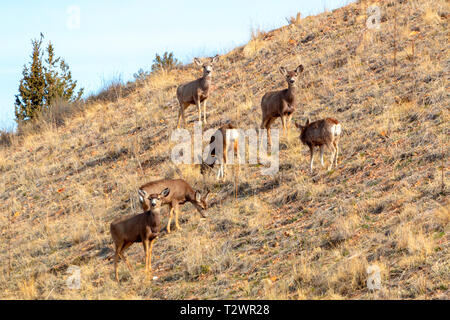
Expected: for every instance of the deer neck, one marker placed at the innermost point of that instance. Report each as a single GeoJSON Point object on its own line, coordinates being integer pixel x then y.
{"type": "Point", "coordinates": [290, 93]}
{"type": "Point", "coordinates": [205, 82]}
{"type": "Point", "coordinates": [152, 214]}
{"type": "Point", "coordinates": [153, 219]}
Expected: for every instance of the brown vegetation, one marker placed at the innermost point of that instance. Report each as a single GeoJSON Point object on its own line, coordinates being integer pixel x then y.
{"type": "Point", "coordinates": [291, 236]}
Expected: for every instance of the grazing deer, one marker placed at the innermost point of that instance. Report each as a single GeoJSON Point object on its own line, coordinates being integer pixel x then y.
{"type": "Point", "coordinates": [280, 104]}
{"type": "Point", "coordinates": [229, 140]}
{"type": "Point", "coordinates": [143, 228]}
{"type": "Point", "coordinates": [180, 193]}
{"type": "Point", "coordinates": [197, 91]}
{"type": "Point", "coordinates": [325, 132]}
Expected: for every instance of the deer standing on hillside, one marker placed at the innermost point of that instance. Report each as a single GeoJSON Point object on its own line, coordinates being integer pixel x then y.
{"type": "Point", "coordinates": [196, 92]}
{"type": "Point", "coordinates": [280, 104]}
{"type": "Point", "coordinates": [180, 193]}
{"type": "Point", "coordinates": [143, 228]}
{"type": "Point", "coordinates": [230, 136]}
{"type": "Point", "coordinates": [325, 132]}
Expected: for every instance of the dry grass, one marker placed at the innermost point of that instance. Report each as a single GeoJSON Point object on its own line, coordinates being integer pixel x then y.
{"type": "Point", "coordinates": [292, 236]}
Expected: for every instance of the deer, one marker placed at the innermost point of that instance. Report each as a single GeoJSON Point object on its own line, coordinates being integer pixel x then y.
{"type": "Point", "coordinates": [230, 136]}
{"type": "Point", "coordinates": [181, 193]}
{"type": "Point", "coordinates": [196, 92]}
{"type": "Point", "coordinates": [280, 104]}
{"type": "Point", "coordinates": [143, 228]}
{"type": "Point", "coordinates": [321, 133]}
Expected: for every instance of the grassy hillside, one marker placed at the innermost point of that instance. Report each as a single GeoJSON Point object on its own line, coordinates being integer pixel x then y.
{"type": "Point", "coordinates": [292, 236]}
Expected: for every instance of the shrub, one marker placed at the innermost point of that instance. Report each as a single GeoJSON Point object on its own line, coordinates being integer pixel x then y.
{"type": "Point", "coordinates": [44, 81]}
{"type": "Point", "coordinates": [166, 62]}
{"type": "Point", "coordinates": [5, 139]}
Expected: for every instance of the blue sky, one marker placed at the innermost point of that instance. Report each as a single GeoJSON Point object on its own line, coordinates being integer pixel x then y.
{"type": "Point", "coordinates": [116, 38]}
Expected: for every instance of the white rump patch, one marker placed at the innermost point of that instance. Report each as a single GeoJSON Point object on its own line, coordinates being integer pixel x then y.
{"type": "Point", "coordinates": [234, 134]}
{"type": "Point", "coordinates": [336, 130]}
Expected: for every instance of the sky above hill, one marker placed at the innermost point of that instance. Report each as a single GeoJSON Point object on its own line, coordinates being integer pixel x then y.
{"type": "Point", "coordinates": [106, 39]}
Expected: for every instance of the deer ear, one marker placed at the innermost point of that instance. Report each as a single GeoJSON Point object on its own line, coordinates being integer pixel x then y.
{"type": "Point", "coordinates": [283, 71]}
{"type": "Point", "coordinates": [307, 122]}
{"type": "Point", "coordinates": [197, 61]}
{"type": "Point", "coordinates": [215, 59]}
{"type": "Point", "coordinates": [198, 196]}
{"type": "Point", "coordinates": [297, 125]}
{"type": "Point", "coordinates": [299, 69]}
{"type": "Point", "coordinates": [166, 192]}
{"type": "Point", "coordinates": [142, 195]}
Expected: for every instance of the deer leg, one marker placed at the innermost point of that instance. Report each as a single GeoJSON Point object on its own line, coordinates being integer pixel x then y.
{"type": "Point", "coordinates": [333, 153]}
{"type": "Point", "coordinates": [170, 219]}
{"type": "Point", "coordinates": [124, 257]}
{"type": "Point", "coordinates": [116, 260]}
{"type": "Point", "coordinates": [219, 172]}
{"type": "Point", "coordinates": [289, 121]}
{"type": "Point", "coordinates": [269, 137]}
{"type": "Point", "coordinates": [337, 154]}
{"type": "Point", "coordinates": [289, 124]}
{"type": "Point", "coordinates": [263, 123]}
{"type": "Point", "coordinates": [263, 126]}
{"type": "Point", "coordinates": [311, 151]}
{"type": "Point", "coordinates": [150, 256]}
{"type": "Point", "coordinates": [204, 111]}
{"type": "Point", "coordinates": [145, 243]}
{"type": "Point", "coordinates": [180, 115]}
{"type": "Point", "coordinates": [184, 114]}
{"type": "Point", "coordinates": [198, 103]}
{"type": "Point", "coordinates": [238, 160]}
{"type": "Point", "coordinates": [225, 161]}
{"type": "Point", "coordinates": [322, 149]}
{"type": "Point", "coordinates": [283, 122]}
{"type": "Point", "coordinates": [177, 210]}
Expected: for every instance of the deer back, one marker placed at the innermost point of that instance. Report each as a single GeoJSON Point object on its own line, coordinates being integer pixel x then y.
{"type": "Point", "coordinates": [320, 132]}
{"type": "Point", "coordinates": [180, 191]}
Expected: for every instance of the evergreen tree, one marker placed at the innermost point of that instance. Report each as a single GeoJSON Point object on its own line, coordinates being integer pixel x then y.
{"type": "Point", "coordinates": [166, 62]}
{"type": "Point", "coordinates": [30, 100]}
{"type": "Point", "coordinates": [43, 82]}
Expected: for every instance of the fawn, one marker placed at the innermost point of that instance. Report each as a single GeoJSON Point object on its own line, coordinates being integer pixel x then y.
{"type": "Point", "coordinates": [196, 92]}
{"type": "Point", "coordinates": [180, 193]}
{"type": "Point", "coordinates": [325, 132]}
{"type": "Point", "coordinates": [280, 104]}
{"type": "Point", "coordinates": [230, 137]}
{"type": "Point", "coordinates": [143, 228]}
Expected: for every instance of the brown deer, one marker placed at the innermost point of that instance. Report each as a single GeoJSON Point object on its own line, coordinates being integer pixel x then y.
{"type": "Point", "coordinates": [143, 228]}
{"type": "Point", "coordinates": [280, 104]}
{"type": "Point", "coordinates": [196, 92]}
{"type": "Point", "coordinates": [180, 193]}
{"type": "Point", "coordinates": [229, 140]}
{"type": "Point", "coordinates": [325, 132]}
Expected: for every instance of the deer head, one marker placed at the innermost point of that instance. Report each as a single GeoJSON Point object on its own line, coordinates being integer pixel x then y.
{"type": "Point", "coordinates": [201, 202]}
{"type": "Point", "coordinates": [302, 128]}
{"type": "Point", "coordinates": [291, 76]}
{"type": "Point", "coordinates": [207, 65]}
{"type": "Point", "coordinates": [154, 200]}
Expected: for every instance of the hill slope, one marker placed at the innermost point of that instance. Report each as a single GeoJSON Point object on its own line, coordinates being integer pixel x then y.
{"type": "Point", "coordinates": [292, 236]}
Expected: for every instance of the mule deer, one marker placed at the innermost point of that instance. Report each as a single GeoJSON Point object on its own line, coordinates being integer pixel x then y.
{"type": "Point", "coordinates": [180, 193]}
{"type": "Point", "coordinates": [143, 228]}
{"type": "Point", "coordinates": [196, 92]}
{"type": "Point", "coordinates": [280, 104]}
{"type": "Point", "coordinates": [230, 136]}
{"type": "Point", "coordinates": [325, 132]}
